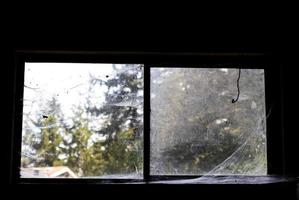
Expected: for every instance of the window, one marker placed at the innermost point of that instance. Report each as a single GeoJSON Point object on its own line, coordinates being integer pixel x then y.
{"type": "Point", "coordinates": [104, 117]}
{"type": "Point", "coordinates": [197, 130]}
{"type": "Point", "coordinates": [82, 120]}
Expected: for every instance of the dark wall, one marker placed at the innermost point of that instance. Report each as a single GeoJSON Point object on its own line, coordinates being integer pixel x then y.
{"type": "Point", "coordinates": [290, 110]}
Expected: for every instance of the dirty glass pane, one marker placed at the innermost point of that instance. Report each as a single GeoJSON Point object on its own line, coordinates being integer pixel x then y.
{"type": "Point", "coordinates": [82, 120]}
{"type": "Point", "coordinates": [197, 130]}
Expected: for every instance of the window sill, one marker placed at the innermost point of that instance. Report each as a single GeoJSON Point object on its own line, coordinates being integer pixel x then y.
{"type": "Point", "coordinates": [217, 180]}
{"type": "Point", "coordinates": [206, 180]}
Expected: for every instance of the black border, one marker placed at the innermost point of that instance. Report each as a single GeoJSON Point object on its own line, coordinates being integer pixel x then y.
{"type": "Point", "coordinates": [275, 148]}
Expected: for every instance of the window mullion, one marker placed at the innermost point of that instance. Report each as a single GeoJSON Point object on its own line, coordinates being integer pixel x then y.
{"type": "Point", "coordinates": [146, 148]}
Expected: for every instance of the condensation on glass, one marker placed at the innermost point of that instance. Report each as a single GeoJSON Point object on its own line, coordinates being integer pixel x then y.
{"type": "Point", "coordinates": [82, 120]}
{"type": "Point", "coordinates": [197, 130]}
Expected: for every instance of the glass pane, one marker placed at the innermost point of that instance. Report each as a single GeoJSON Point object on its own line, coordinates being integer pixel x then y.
{"type": "Point", "coordinates": [82, 120]}
{"type": "Point", "coordinates": [197, 130]}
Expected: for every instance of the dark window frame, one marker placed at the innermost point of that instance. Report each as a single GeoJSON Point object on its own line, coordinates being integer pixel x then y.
{"type": "Point", "coordinates": [266, 61]}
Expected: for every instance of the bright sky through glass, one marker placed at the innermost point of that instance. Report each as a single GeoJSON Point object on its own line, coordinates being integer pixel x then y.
{"type": "Point", "coordinates": [68, 82]}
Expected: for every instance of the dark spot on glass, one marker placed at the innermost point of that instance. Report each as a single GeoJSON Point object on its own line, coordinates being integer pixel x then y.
{"type": "Point", "coordinates": [45, 116]}
{"type": "Point", "coordinates": [107, 76]}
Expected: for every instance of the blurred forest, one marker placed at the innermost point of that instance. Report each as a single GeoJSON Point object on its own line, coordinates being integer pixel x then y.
{"type": "Point", "coordinates": [195, 127]}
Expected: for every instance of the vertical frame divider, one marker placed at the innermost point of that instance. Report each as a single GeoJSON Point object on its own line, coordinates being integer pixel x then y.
{"type": "Point", "coordinates": [146, 115]}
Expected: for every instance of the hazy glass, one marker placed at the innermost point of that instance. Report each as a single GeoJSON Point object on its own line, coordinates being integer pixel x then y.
{"type": "Point", "coordinates": [197, 130]}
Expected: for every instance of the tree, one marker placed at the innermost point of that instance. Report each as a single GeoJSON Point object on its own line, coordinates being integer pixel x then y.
{"type": "Point", "coordinates": [43, 143]}
{"type": "Point", "coordinates": [82, 155]}
{"type": "Point", "coordinates": [123, 115]}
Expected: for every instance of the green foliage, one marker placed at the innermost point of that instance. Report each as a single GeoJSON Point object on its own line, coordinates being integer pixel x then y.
{"type": "Point", "coordinates": [123, 155]}
{"type": "Point", "coordinates": [50, 139]}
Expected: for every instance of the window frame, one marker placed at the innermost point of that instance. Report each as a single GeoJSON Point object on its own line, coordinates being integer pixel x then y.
{"type": "Point", "coordinates": [266, 61]}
